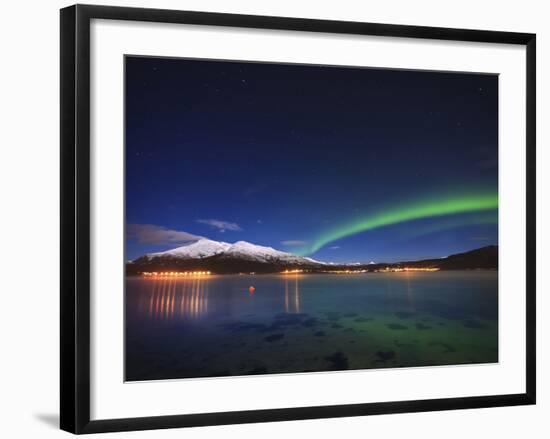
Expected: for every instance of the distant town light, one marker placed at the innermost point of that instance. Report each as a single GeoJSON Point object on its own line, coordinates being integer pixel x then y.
{"type": "Point", "coordinates": [175, 273]}
{"type": "Point", "coordinates": [406, 269]}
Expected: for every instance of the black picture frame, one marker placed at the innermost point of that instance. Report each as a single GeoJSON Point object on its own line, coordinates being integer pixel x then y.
{"type": "Point", "coordinates": [75, 217]}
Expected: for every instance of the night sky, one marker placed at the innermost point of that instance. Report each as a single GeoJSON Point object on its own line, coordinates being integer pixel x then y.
{"type": "Point", "coordinates": [340, 164]}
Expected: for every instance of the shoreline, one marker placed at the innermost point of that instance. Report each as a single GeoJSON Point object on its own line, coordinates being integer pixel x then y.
{"type": "Point", "coordinates": [180, 275]}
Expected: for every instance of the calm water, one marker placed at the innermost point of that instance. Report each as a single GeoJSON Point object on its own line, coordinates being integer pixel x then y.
{"type": "Point", "coordinates": [177, 328]}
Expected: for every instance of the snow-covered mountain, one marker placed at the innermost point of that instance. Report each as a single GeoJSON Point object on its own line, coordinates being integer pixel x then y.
{"type": "Point", "coordinates": [206, 248]}
{"type": "Point", "coordinates": [203, 248]}
{"type": "Point", "coordinates": [246, 250]}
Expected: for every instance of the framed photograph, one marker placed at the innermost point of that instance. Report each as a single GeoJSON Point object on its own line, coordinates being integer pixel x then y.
{"type": "Point", "coordinates": [268, 218]}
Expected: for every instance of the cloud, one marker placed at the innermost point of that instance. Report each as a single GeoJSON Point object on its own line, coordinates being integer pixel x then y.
{"type": "Point", "coordinates": [222, 226]}
{"type": "Point", "coordinates": [293, 243]}
{"type": "Point", "coordinates": [335, 247]}
{"type": "Point", "coordinates": [151, 234]}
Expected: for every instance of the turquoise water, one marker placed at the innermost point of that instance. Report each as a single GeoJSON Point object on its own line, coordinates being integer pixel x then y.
{"type": "Point", "coordinates": [214, 325]}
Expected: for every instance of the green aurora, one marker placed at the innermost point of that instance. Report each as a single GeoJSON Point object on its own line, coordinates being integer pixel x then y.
{"type": "Point", "coordinates": [425, 208]}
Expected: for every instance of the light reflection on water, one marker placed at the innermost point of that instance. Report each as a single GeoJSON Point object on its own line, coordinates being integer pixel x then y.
{"type": "Point", "coordinates": [172, 298]}
{"type": "Point", "coordinates": [186, 298]}
{"type": "Point", "coordinates": [292, 299]}
{"type": "Point", "coordinates": [180, 298]}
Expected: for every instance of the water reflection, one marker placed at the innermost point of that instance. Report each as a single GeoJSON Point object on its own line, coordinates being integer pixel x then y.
{"type": "Point", "coordinates": [409, 291]}
{"type": "Point", "coordinates": [213, 326]}
{"type": "Point", "coordinates": [176, 298]}
{"type": "Point", "coordinates": [292, 294]}
{"type": "Point", "coordinates": [399, 291]}
{"type": "Point", "coordinates": [170, 298]}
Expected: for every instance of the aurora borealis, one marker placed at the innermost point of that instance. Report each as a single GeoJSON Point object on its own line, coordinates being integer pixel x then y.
{"type": "Point", "coordinates": [340, 164]}
{"type": "Point", "coordinates": [409, 212]}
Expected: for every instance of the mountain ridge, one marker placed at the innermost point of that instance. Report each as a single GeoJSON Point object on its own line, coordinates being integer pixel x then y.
{"type": "Point", "coordinates": [244, 257]}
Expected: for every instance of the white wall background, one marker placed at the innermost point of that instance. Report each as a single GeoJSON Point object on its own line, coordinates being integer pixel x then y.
{"type": "Point", "coordinates": [29, 206]}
